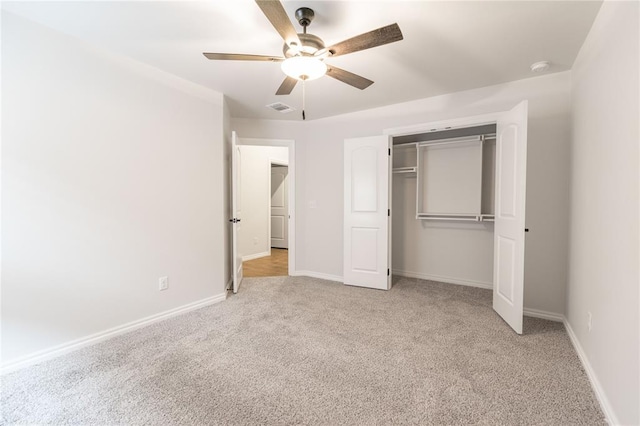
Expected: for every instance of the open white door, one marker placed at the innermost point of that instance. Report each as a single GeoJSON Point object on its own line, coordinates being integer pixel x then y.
{"type": "Point", "coordinates": [508, 243]}
{"type": "Point", "coordinates": [366, 214]}
{"type": "Point", "coordinates": [235, 208]}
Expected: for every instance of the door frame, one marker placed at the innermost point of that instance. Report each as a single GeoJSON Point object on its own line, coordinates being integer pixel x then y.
{"type": "Point", "coordinates": [276, 162]}
{"type": "Point", "coordinates": [449, 124]}
{"type": "Point", "coordinates": [288, 143]}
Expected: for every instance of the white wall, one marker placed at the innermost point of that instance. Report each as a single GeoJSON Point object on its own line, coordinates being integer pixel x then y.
{"type": "Point", "coordinates": [456, 252]}
{"type": "Point", "coordinates": [111, 178]}
{"type": "Point", "coordinates": [319, 156]}
{"type": "Point", "coordinates": [603, 262]}
{"type": "Point", "coordinates": [255, 193]}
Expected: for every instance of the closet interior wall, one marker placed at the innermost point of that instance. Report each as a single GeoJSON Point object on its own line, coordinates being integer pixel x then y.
{"type": "Point", "coordinates": [457, 249]}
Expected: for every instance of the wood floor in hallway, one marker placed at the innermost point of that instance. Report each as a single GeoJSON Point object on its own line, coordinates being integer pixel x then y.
{"type": "Point", "coordinates": [269, 266]}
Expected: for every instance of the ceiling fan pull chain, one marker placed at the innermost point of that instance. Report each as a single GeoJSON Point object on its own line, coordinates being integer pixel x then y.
{"type": "Point", "coordinates": [303, 98]}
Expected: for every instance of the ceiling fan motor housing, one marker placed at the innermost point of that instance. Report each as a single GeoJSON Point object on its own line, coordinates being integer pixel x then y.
{"type": "Point", "coordinates": [304, 15]}
{"type": "Point", "coordinates": [310, 44]}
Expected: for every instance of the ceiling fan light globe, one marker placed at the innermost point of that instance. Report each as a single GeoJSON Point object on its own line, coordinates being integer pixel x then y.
{"type": "Point", "coordinates": [304, 68]}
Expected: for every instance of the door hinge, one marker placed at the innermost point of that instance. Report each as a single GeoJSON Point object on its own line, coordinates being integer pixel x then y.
{"type": "Point", "coordinates": [388, 212]}
{"type": "Point", "coordinates": [388, 272]}
{"type": "Point", "coordinates": [389, 152]}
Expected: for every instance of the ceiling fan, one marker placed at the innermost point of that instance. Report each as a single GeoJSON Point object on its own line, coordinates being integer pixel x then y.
{"type": "Point", "coordinates": [304, 53]}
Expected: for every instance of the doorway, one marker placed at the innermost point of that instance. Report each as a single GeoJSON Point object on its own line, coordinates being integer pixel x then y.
{"type": "Point", "coordinates": [267, 187]}
{"type": "Point", "coordinates": [277, 261]}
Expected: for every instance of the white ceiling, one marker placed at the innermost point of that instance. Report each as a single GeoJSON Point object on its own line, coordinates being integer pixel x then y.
{"type": "Point", "coordinates": [448, 46]}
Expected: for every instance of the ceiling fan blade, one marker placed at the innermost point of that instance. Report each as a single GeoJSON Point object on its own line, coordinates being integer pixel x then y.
{"type": "Point", "coordinates": [275, 13]}
{"type": "Point", "coordinates": [242, 57]}
{"type": "Point", "coordinates": [287, 86]}
{"type": "Point", "coordinates": [348, 77]}
{"type": "Point", "coordinates": [374, 38]}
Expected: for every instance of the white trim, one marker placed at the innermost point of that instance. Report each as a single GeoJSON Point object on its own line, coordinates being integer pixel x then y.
{"type": "Point", "coordinates": [443, 279]}
{"type": "Point", "coordinates": [264, 142]}
{"type": "Point", "coordinates": [460, 122]}
{"type": "Point", "coordinates": [92, 339]}
{"type": "Point", "coordinates": [291, 144]}
{"type": "Point", "coordinates": [605, 405]}
{"type": "Point", "coordinates": [537, 313]}
{"type": "Point", "coordinates": [319, 275]}
{"type": "Point", "coordinates": [256, 255]}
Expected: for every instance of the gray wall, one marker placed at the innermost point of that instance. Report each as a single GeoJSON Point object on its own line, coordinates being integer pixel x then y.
{"type": "Point", "coordinates": [603, 264]}
{"type": "Point", "coordinates": [111, 178]}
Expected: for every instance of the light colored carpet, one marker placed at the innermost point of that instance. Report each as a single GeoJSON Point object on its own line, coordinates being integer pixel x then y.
{"type": "Point", "coordinates": [294, 350]}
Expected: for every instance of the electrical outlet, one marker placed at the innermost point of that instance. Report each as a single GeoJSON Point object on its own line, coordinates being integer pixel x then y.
{"type": "Point", "coordinates": [589, 318]}
{"type": "Point", "coordinates": [163, 283]}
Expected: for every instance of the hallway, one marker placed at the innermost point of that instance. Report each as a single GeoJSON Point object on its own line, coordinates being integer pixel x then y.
{"type": "Point", "coordinates": [269, 266]}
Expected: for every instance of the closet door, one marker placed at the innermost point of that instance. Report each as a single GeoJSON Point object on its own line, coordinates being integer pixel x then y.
{"type": "Point", "coordinates": [366, 218]}
{"type": "Point", "coordinates": [508, 243]}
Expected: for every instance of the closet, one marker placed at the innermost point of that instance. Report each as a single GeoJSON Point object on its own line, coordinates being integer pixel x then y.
{"type": "Point", "coordinates": [443, 206]}
{"type": "Point", "coordinates": [442, 201]}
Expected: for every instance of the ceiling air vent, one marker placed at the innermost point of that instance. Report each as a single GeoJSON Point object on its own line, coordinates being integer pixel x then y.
{"type": "Point", "coordinates": [280, 107]}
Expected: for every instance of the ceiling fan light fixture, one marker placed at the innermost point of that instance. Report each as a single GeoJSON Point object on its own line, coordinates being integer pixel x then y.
{"type": "Point", "coordinates": [304, 68]}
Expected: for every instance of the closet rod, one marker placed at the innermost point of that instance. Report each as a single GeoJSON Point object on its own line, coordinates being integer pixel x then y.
{"type": "Point", "coordinates": [478, 138]}
{"type": "Point", "coordinates": [444, 217]}
{"type": "Point", "coordinates": [451, 141]}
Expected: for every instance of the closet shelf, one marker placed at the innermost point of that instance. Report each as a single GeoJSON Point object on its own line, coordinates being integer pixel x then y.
{"type": "Point", "coordinates": [456, 217]}
{"type": "Point", "coordinates": [405, 170]}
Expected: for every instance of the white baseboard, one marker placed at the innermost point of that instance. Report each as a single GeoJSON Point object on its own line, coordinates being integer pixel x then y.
{"type": "Point", "coordinates": [607, 409]}
{"type": "Point", "coordinates": [443, 279]}
{"type": "Point", "coordinates": [255, 256]}
{"type": "Point", "coordinates": [58, 350]}
{"type": "Point", "coordinates": [318, 275]}
{"type": "Point", "coordinates": [537, 313]}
